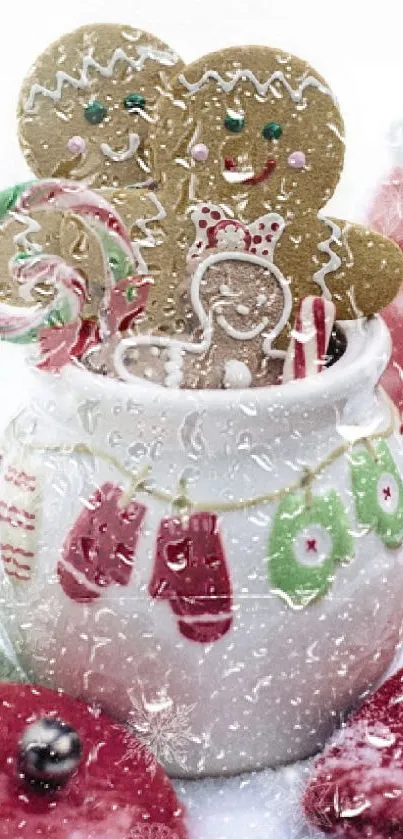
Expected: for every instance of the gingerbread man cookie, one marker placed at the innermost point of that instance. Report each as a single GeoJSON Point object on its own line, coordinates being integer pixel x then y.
{"type": "Point", "coordinates": [84, 112]}
{"type": "Point", "coordinates": [247, 150]}
{"type": "Point", "coordinates": [87, 105]}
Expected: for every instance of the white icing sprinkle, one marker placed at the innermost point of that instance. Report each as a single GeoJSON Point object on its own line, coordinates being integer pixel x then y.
{"type": "Point", "coordinates": [237, 374]}
{"type": "Point", "coordinates": [126, 154]}
{"type": "Point", "coordinates": [165, 57]}
{"type": "Point", "coordinates": [227, 85]}
{"type": "Point", "coordinates": [334, 260]}
{"type": "Point", "coordinates": [242, 310]}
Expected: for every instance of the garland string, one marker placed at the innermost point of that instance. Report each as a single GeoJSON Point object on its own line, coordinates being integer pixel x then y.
{"type": "Point", "coordinates": [138, 481]}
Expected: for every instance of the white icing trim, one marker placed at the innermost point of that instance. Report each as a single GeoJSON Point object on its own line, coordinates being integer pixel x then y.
{"type": "Point", "coordinates": [237, 177]}
{"type": "Point", "coordinates": [165, 57]}
{"type": "Point", "coordinates": [227, 85]}
{"type": "Point", "coordinates": [237, 334]}
{"type": "Point", "coordinates": [150, 240]}
{"type": "Point", "coordinates": [334, 260]}
{"type": "Point", "coordinates": [126, 154]}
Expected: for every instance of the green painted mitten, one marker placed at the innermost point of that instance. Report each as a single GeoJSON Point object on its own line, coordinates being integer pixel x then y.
{"type": "Point", "coordinates": [306, 541]}
{"type": "Point", "coordinates": [378, 492]}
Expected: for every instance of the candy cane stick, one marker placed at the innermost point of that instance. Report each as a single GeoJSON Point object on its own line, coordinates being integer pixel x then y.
{"type": "Point", "coordinates": [53, 194]}
{"type": "Point", "coordinates": [22, 325]}
{"type": "Point", "coordinates": [120, 260]}
{"type": "Point", "coordinates": [306, 353]}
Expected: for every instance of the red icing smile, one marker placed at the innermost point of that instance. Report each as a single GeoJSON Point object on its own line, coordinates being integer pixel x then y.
{"type": "Point", "coordinates": [264, 174]}
{"type": "Point", "coordinates": [249, 180]}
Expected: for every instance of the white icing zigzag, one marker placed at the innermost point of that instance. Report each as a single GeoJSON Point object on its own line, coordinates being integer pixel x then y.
{"type": "Point", "coordinates": [334, 260]}
{"type": "Point", "coordinates": [149, 241]}
{"type": "Point", "coordinates": [227, 85]}
{"type": "Point", "coordinates": [164, 57]}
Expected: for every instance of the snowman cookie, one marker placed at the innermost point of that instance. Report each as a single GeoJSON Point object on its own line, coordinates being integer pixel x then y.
{"type": "Point", "coordinates": [247, 150]}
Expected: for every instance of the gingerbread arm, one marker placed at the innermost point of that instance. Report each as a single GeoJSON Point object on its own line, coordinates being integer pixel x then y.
{"type": "Point", "coordinates": [142, 212]}
{"type": "Point", "coordinates": [369, 273]}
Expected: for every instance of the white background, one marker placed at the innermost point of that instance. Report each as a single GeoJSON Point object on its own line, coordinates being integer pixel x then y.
{"type": "Point", "coordinates": [356, 44]}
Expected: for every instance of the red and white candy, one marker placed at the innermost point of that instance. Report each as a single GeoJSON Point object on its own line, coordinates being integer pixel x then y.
{"type": "Point", "coordinates": [306, 353]}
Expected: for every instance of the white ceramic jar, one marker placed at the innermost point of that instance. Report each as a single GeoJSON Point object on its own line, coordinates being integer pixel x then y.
{"type": "Point", "coordinates": [236, 634]}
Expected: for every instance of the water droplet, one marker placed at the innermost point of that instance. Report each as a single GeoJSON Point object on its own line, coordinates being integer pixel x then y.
{"type": "Point", "coordinates": [249, 409]}
{"type": "Point", "coordinates": [89, 413]}
{"type": "Point", "coordinates": [137, 450]}
{"type": "Point", "coordinates": [114, 439]}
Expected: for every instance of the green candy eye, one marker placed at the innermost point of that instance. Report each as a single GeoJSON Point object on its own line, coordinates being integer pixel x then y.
{"type": "Point", "coordinates": [95, 112]}
{"type": "Point", "coordinates": [134, 100]}
{"type": "Point", "coordinates": [272, 131]}
{"type": "Point", "coordinates": [234, 123]}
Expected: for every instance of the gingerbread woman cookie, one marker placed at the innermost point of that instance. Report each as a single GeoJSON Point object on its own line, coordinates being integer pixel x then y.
{"type": "Point", "coordinates": [247, 150]}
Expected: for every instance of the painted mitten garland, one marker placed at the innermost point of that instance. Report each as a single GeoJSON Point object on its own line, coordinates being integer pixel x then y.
{"type": "Point", "coordinates": [356, 788]}
{"type": "Point", "coordinates": [118, 789]}
{"type": "Point", "coordinates": [243, 173]}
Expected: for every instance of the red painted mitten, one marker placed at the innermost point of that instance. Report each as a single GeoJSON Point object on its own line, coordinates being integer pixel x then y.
{"type": "Point", "coordinates": [99, 550]}
{"type": "Point", "coordinates": [356, 789]}
{"type": "Point", "coordinates": [118, 791]}
{"type": "Point", "coordinates": [190, 571]}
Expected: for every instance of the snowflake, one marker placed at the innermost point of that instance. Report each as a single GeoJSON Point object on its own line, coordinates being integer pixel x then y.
{"type": "Point", "coordinates": [163, 728]}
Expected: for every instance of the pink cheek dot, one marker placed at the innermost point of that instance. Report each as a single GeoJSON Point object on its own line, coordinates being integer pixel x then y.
{"type": "Point", "coordinates": [199, 152]}
{"type": "Point", "coordinates": [297, 160]}
{"type": "Point", "coordinates": [77, 145]}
